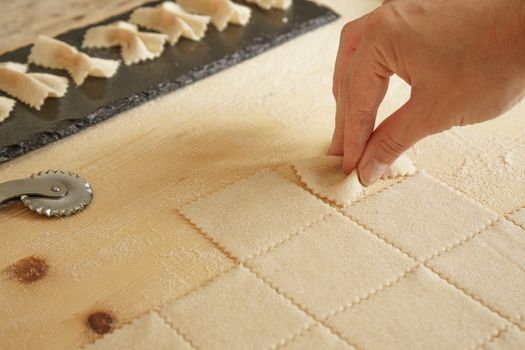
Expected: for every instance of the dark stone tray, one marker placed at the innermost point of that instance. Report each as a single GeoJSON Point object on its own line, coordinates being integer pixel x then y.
{"type": "Point", "coordinates": [99, 99]}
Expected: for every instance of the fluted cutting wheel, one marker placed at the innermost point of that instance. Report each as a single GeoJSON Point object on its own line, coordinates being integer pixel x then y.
{"type": "Point", "coordinates": [79, 195]}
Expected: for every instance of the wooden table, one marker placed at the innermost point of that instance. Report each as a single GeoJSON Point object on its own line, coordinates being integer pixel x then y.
{"type": "Point", "coordinates": [131, 251]}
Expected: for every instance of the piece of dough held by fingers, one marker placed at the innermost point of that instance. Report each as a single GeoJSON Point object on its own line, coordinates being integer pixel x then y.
{"type": "Point", "coordinates": [30, 88]}
{"type": "Point", "coordinates": [221, 12]}
{"type": "Point", "coordinates": [135, 46]}
{"type": "Point", "coordinates": [172, 20]}
{"type": "Point", "coordinates": [6, 106]}
{"type": "Point", "coordinates": [269, 4]}
{"type": "Point", "coordinates": [55, 54]}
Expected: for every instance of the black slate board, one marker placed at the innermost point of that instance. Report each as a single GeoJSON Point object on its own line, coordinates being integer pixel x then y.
{"type": "Point", "coordinates": [99, 99]}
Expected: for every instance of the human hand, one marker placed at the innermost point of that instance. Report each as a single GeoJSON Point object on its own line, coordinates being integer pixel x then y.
{"type": "Point", "coordinates": [465, 62]}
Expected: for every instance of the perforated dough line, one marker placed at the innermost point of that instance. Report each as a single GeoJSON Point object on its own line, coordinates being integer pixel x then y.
{"type": "Point", "coordinates": [497, 333]}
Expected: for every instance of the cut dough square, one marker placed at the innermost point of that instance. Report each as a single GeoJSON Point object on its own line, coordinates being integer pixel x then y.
{"type": "Point", "coordinates": [512, 339]}
{"type": "Point", "coordinates": [315, 338]}
{"type": "Point", "coordinates": [221, 12]}
{"type": "Point", "coordinates": [492, 267]}
{"type": "Point", "coordinates": [172, 20]}
{"type": "Point", "coordinates": [145, 333]}
{"type": "Point", "coordinates": [6, 106]}
{"type": "Point", "coordinates": [420, 311]}
{"type": "Point", "coordinates": [518, 217]}
{"type": "Point", "coordinates": [255, 213]}
{"type": "Point", "coordinates": [421, 215]}
{"type": "Point", "coordinates": [51, 53]}
{"type": "Point", "coordinates": [237, 311]}
{"type": "Point", "coordinates": [331, 264]}
{"type": "Point", "coordinates": [325, 177]}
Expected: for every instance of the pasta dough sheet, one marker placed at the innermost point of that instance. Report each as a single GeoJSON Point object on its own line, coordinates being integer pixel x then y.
{"type": "Point", "coordinates": [6, 106]}
{"type": "Point", "coordinates": [30, 88]}
{"type": "Point", "coordinates": [135, 46]}
{"type": "Point", "coordinates": [324, 176]}
{"type": "Point", "coordinates": [172, 20]}
{"type": "Point", "coordinates": [221, 12]}
{"type": "Point", "coordinates": [55, 54]}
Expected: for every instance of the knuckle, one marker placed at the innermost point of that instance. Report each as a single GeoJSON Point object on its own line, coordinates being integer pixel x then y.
{"type": "Point", "coordinates": [375, 21]}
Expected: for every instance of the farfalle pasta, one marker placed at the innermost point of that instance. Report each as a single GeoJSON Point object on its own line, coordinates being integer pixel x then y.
{"type": "Point", "coordinates": [135, 46]}
{"type": "Point", "coordinates": [51, 53]}
{"type": "Point", "coordinates": [6, 106]}
{"type": "Point", "coordinates": [172, 20]}
{"type": "Point", "coordinates": [268, 4]}
{"type": "Point", "coordinates": [30, 88]}
{"type": "Point", "coordinates": [221, 12]}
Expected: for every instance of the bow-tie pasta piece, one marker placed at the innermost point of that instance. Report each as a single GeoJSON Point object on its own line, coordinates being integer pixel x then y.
{"type": "Point", "coordinates": [135, 46]}
{"type": "Point", "coordinates": [221, 12]}
{"type": "Point", "coordinates": [30, 88]}
{"type": "Point", "coordinates": [6, 106]}
{"type": "Point", "coordinates": [268, 4]}
{"type": "Point", "coordinates": [55, 54]}
{"type": "Point", "coordinates": [172, 20]}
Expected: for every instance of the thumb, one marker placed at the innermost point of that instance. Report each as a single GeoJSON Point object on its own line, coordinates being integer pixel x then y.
{"type": "Point", "coordinates": [392, 138]}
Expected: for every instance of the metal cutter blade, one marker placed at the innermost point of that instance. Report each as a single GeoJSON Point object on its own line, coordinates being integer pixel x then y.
{"type": "Point", "coordinates": [50, 193]}
{"type": "Point", "coordinates": [79, 195]}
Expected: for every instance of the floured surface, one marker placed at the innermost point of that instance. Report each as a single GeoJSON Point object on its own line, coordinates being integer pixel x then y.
{"type": "Point", "coordinates": [132, 252]}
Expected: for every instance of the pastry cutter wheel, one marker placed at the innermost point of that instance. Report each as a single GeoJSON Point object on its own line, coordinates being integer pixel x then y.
{"type": "Point", "coordinates": [50, 193]}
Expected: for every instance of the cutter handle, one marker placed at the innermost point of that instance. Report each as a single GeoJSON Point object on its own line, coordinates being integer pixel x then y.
{"type": "Point", "coordinates": [13, 190]}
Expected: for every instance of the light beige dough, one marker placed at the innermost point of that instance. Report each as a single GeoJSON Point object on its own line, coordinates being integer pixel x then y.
{"type": "Point", "coordinates": [268, 4]}
{"type": "Point", "coordinates": [315, 338]}
{"type": "Point", "coordinates": [30, 88]}
{"type": "Point", "coordinates": [51, 53]}
{"type": "Point", "coordinates": [511, 339]}
{"type": "Point", "coordinates": [492, 266]}
{"type": "Point", "coordinates": [221, 12]}
{"type": "Point", "coordinates": [172, 20]}
{"type": "Point", "coordinates": [420, 311]}
{"type": "Point", "coordinates": [324, 176]}
{"type": "Point", "coordinates": [135, 46]}
{"type": "Point", "coordinates": [421, 215]}
{"type": "Point", "coordinates": [256, 213]}
{"type": "Point", "coordinates": [236, 311]}
{"type": "Point", "coordinates": [6, 106]}
{"type": "Point", "coordinates": [331, 264]}
{"type": "Point", "coordinates": [146, 333]}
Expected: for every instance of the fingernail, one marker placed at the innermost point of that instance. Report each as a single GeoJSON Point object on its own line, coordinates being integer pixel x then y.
{"type": "Point", "coordinates": [372, 172]}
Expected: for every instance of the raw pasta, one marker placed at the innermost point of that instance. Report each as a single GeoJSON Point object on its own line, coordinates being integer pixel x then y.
{"type": "Point", "coordinates": [30, 88]}
{"type": "Point", "coordinates": [51, 53]}
{"type": "Point", "coordinates": [172, 20]}
{"type": "Point", "coordinates": [221, 12]}
{"type": "Point", "coordinates": [135, 46]}
{"type": "Point", "coordinates": [323, 176]}
{"type": "Point", "coordinates": [6, 106]}
{"type": "Point", "coordinates": [268, 4]}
